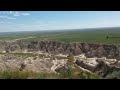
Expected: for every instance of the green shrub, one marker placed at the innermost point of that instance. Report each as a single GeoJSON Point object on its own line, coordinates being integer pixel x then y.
{"type": "Point", "coordinates": [113, 75]}
{"type": "Point", "coordinates": [15, 74]}
{"type": "Point", "coordinates": [70, 60]}
{"type": "Point", "coordinates": [71, 74]}
{"type": "Point", "coordinates": [47, 76]}
{"type": "Point", "coordinates": [78, 74]}
{"type": "Point", "coordinates": [88, 75]}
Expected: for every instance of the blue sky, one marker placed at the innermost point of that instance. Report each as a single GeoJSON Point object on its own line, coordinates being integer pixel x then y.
{"type": "Point", "coordinates": [54, 20]}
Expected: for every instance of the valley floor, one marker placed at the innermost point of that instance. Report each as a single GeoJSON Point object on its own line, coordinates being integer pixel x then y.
{"type": "Point", "coordinates": [44, 66]}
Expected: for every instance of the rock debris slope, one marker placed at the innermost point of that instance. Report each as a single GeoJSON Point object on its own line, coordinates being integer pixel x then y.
{"type": "Point", "coordinates": [101, 59]}
{"type": "Point", "coordinates": [55, 47]}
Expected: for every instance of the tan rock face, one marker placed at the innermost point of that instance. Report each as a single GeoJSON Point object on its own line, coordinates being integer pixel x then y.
{"type": "Point", "coordinates": [12, 62]}
{"type": "Point", "coordinates": [100, 66]}
{"type": "Point", "coordinates": [85, 55]}
{"type": "Point", "coordinates": [58, 64]}
{"type": "Point", "coordinates": [55, 47]}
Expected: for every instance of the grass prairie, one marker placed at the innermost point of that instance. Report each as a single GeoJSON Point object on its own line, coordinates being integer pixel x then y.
{"type": "Point", "coordinates": [88, 35]}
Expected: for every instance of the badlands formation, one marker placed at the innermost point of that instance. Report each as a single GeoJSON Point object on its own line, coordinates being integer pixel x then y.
{"type": "Point", "coordinates": [53, 56]}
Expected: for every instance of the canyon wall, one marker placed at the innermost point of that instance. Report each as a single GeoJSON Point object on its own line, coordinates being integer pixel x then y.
{"type": "Point", "coordinates": [56, 47]}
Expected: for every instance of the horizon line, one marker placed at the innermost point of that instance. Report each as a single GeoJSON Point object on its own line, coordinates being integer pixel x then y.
{"type": "Point", "coordinates": [62, 29]}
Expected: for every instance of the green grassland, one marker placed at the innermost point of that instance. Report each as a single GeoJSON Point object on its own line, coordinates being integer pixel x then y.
{"type": "Point", "coordinates": [88, 36]}
{"type": "Point", "coordinates": [71, 74]}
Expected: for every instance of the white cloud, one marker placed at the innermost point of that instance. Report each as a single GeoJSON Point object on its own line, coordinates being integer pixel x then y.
{"type": "Point", "coordinates": [7, 12]}
{"type": "Point", "coordinates": [25, 14]}
{"type": "Point", "coordinates": [15, 13]}
{"type": "Point", "coordinates": [20, 14]}
{"type": "Point", "coordinates": [6, 17]}
{"type": "Point", "coordinates": [4, 22]}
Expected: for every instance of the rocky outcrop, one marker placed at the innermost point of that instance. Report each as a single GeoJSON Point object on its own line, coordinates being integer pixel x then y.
{"type": "Point", "coordinates": [55, 47]}
{"type": "Point", "coordinates": [102, 68]}
{"type": "Point", "coordinates": [13, 62]}
{"type": "Point", "coordinates": [85, 55]}
{"type": "Point", "coordinates": [62, 69]}
{"type": "Point", "coordinates": [59, 65]}
{"type": "Point", "coordinates": [85, 65]}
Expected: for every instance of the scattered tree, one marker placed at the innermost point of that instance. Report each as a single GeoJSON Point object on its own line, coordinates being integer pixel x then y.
{"type": "Point", "coordinates": [107, 37]}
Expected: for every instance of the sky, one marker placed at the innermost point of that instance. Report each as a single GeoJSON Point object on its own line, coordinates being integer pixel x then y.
{"type": "Point", "coordinates": [57, 20]}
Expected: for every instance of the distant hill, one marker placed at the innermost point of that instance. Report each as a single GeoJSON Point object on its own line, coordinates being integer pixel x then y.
{"type": "Point", "coordinates": [62, 30]}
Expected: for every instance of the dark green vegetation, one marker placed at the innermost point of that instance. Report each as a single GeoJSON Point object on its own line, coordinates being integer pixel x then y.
{"type": "Point", "coordinates": [114, 75]}
{"type": "Point", "coordinates": [32, 75]}
{"type": "Point", "coordinates": [83, 35]}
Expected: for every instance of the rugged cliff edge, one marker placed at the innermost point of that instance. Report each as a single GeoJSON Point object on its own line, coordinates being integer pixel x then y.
{"type": "Point", "coordinates": [54, 56]}
{"type": "Point", "coordinates": [55, 47]}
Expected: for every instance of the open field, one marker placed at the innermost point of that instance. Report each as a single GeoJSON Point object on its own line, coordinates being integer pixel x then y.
{"type": "Point", "coordinates": [88, 35]}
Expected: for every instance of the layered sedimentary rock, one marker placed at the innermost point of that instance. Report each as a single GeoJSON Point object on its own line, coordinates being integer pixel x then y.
{"type": "Point", "coordinates": [100, 66]}
{"type": "Point", "coordinates": [12, 62]}
{"type": "Point", "coordinates": [55, 47]}
{"type": "Point", "coordinates": [87, 56]}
